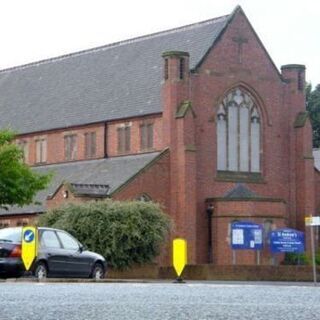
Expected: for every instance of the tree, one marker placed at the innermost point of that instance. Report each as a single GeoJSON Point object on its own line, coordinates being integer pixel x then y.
{"type": "Point", "coordinates": [313, 107]}
{"type": "Point", "coordinates": [125, 233]}
{"type": "Point", "coordinates": [18, 183]}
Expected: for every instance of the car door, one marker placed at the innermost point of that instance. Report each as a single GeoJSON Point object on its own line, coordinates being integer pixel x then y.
{"type": "Point", "coordinates": [51, 250]}
{"type": "Point", "coordinates": [79, 263]}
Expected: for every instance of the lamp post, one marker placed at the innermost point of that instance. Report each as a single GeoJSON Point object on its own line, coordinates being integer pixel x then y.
{"type": "Point", "coordinates": [209, 210]}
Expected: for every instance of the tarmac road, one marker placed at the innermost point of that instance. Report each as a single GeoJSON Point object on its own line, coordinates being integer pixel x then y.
{"type": "Point", "coordinates": [196, 300]}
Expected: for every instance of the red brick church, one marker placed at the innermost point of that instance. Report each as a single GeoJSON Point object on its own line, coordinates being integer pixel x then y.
{"type": "Point", "coordinates": [196, 118]}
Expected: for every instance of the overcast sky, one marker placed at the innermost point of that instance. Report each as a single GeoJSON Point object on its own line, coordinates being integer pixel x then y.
{"type": "Point", "coordinates": [32, 30]}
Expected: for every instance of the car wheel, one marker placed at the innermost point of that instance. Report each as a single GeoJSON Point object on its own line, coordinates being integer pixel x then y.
{"type": "Point", "coordinates": [41, 271]}
{"type": "Point", "coordinates": [97, 272]}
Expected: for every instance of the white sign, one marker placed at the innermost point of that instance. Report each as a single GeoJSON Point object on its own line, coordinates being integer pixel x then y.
{"type": "Point", "coordinates": [312, 221]}
{"type": "Point", "coordinates": [258, 236]}
{"type": "Point", "coordinates": [237, 236]}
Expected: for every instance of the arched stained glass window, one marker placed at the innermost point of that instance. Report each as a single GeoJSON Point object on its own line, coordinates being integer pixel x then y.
{"type": "Point", "coordinates": [238, 133]}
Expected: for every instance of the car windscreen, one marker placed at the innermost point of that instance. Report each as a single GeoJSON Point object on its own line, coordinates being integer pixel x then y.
{"type": "Point", "coordinates": [10, 235]}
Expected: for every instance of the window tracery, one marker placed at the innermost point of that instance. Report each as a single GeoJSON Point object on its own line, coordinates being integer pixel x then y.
{"type": "Point", "coordinates": [238, 133]}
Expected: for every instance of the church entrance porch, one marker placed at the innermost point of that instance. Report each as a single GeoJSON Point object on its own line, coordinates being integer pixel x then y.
{"type": "Point", "coordinates": [270, 213]}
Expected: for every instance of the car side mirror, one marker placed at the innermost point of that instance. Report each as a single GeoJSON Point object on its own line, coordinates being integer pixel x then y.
{"type": "Point", "coordinates": [81, 248]}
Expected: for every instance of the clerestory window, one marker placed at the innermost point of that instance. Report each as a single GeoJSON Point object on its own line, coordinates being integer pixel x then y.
{"type": "Point", "coordinates": [70, 147]}
{"type": "Point", "coordinates": [124, 138]}
{"type": "Point", "coordinates": [90, 145]}
{"type": "Point", "coordinates": [146, 136]}
{"type": "Point", "coordinates": [238, 133]}
{"type": "Point", "coordinates": [23, 145]}
{"type": "Point", "coordinates": [41, 150]}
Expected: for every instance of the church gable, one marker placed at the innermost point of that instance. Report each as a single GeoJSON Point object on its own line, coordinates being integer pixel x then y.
{"type": "Point", "coordinates": [238, 134]}
{"type": "Point", "coordinates": [239, 51]}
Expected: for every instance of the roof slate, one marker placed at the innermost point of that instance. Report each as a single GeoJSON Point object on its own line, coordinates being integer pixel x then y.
{"type": "Point", "coordinates": [112, 172]}
{"type": "Point", "coordinates": [240, 191]}
{"type": "Point", "coordinates": [115, 81]}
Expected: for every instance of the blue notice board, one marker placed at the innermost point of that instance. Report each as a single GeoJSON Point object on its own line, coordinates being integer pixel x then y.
{"type": "Point", "coordinates": [287, 240]}
{"type": "Point", "coordinates": [246, 235]}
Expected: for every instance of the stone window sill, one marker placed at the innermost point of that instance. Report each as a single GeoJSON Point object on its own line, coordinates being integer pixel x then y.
{"type": "Point", "coordinates": [232, 176]}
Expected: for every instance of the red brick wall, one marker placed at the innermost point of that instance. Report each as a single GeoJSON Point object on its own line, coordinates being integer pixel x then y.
{"type": "Point", "coordinates": [55, 139]}
{"type": "Point", "coordinates": [225, 212]}
{"type": "Point", "coordinates": [55, 143]}
{"type": "Point", "coordinates": [220, 272]}
{"type": "Point", "coordinates": [179, 135]}
{"type": "Point", "coordinates": [256, 73]}
{"type": "Point", "coordinates": [217, 75]}
{"type": "Point", "coordinates": [112, 140]}
{"type": "Point", "coordinates": [279, 102]}
{"type": "Point", "coordinates": [59, 199]}
{"type": "Point", "coordinates": [13, 221]}
{"type": "Point", "coordinates": [155, 182]}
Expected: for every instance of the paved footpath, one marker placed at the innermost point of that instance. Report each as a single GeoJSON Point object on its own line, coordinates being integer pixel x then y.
{"type": "Point", "coordinates": [193, 300]}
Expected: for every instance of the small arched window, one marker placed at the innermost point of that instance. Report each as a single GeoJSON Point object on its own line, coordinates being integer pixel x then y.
{"type": "Point", "coordinates": [238, 133]}
{"type": "Point", "coordinates": [144, 197]}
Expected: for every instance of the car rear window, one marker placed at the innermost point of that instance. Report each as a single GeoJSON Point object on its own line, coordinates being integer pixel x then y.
{"type": "Point", "coordinates": [11, 234]}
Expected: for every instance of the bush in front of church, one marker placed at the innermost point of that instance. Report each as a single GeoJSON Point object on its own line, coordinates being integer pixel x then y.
{"type": "Point", "coordinates": [296, 259]}
{"type": "Point", "coordinates": [124, 232]}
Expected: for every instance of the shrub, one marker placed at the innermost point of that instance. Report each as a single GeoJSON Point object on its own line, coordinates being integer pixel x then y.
{"type": "Point", "coordinates": [125, 233]}
{"type": "Point", "coordinates": [300, 259]}
{"type": "Point", "coordinates": [296, 259]}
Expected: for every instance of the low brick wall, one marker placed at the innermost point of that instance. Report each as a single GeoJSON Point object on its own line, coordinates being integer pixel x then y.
{"type": "Point", "coordinates": [150, 271]}
{"type": "Point", "coordinates": [212, 272]}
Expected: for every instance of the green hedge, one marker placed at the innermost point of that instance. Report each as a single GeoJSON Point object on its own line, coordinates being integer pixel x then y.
{"type": "Point", "coordinates": [300, 259]}
{"type": "Point", "coordinates": [125, 233]}
{"type": "Point", "coordinates": [295, 259]}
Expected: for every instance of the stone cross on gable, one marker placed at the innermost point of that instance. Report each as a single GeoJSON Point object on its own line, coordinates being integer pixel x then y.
{"type": "Point", "coordinates": [240, 41]}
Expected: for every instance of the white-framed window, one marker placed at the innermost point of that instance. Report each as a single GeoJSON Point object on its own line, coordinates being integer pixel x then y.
{"type": "Point", "coordinates": [41, 150]}
{"type": "Point", "coordinates": [238, 133]}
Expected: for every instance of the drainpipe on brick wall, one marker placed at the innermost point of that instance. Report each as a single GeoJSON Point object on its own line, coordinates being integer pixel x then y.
{"type": "Point", "coordinates": [209, 210]}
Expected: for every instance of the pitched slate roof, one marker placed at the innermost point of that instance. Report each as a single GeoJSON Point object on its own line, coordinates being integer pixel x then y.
{"type": "Point", "coordinates": [110, 82]}
{"type": "Point", "coordinates": [240, 191]}
{"type": "Point", "coordinates": [112, 172]}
